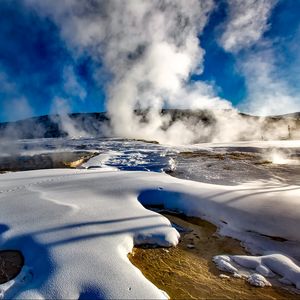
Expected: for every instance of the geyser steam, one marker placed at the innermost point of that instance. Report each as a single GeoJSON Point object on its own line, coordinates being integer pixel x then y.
{"type": "Point", "coordinates": [152, 51]}
{"type": "Point", "coordinates": [149, 49]}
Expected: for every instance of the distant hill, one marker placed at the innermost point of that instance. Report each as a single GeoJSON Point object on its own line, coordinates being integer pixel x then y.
{"type": "Point", "coordinates": [92, 124]}
{"type": "Point", "coordinates": [54, 126]}
{"type": "Point", "coordinates": [295, 115]}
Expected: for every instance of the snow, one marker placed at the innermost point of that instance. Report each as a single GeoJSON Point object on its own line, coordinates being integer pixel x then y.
{"type": "Point", "coordinates": [100, 161]}
{"type": "Point", "coordinates": [224, 264]}
{"type": "Point", "coordinates": [223, 276]}
{"type": "Point", "coordinates": [115, 153]}
{"type": "Point", "coordinates": [258, 280]}
{"type": "Point", "coordinates": [76, 227]}
{"type": "Point", "coordinates": [269, 265]}
{"type": "Point", "coordinates": [23, 278]}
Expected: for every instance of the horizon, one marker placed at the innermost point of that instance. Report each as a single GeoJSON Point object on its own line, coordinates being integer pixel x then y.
{"type": "Point", "coordinates": [105, 112]}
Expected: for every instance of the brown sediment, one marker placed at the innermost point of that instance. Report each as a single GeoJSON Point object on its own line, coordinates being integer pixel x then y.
{"type": "Point", "coordinates": [45, 161]}
{"type": "Point", "coordinates": [187, 271]}
{"type": "Point", "coordinates": [263, 162]}
{"type": "Point", "coordinates": [11, 263]}
{"type": "Point", "coordinates": [77, 163]}
{"type": "Point", "coordinates": [145, 141]}
{"type": "Point", "coordinates": [218, 155]}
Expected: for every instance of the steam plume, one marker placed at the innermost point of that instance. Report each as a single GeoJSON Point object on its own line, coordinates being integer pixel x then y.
{"type": "Point", "coordinates": [246, 23]}
{"type": "Point", "coordinates": [150, 49]}
{"type": "Point", "coordinates": [268, 92]}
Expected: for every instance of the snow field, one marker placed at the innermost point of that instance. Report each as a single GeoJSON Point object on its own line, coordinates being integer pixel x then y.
{"type": "Point", "coordinates": [76, 227]}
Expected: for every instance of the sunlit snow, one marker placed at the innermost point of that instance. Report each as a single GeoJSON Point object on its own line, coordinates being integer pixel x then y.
{"type": "Point", "coordinates": [76, 227]}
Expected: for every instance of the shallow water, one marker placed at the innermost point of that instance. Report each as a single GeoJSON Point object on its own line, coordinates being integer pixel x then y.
{"type": "Point", "coordinates": [187, 271]}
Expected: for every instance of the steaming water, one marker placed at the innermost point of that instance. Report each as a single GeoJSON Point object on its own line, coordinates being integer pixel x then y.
{"type": "Point", "coordinates": [118, 153]}
{"type": "Point", "coordinates": [229, 164]}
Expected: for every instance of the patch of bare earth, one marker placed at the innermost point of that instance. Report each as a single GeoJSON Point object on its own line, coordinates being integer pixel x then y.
{"type": "Point", "coordinates": [44, 161]}
{"type": "Point", "coordinates": [187, 271]}
{"type": "Point", "coordinates": [11, 263]}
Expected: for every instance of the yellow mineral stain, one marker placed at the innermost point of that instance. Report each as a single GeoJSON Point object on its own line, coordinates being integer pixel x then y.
{"type": "Point", "coordinates": [187, 271]}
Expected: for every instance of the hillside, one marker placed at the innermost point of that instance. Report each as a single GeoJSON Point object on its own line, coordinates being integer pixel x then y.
{"type": "Point", "coordinates": [54, 126]}
{"type": "Point", "coordinates": [94, 124]}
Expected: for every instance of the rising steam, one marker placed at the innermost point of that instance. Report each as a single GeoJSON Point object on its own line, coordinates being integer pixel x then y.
{"type": "Point", "coordinates": [149, 49]}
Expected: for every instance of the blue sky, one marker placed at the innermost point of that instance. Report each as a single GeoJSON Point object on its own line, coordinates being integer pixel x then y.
{"type": "Point", "coordinates": [37, 66]}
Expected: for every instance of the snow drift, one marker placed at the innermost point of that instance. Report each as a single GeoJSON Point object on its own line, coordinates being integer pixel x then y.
{"type": "Point", "coordinates": [76, 227]}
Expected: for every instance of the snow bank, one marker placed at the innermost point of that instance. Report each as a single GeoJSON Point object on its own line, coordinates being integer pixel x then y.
{"type": "Point", "coordinates": [100, 161]}
{"type": "Point", "coordinates": [264, 266]}
{"type": "Point", "coordinates": [76, 227]}
{"type": "Point", "coordinates": [264, 215]}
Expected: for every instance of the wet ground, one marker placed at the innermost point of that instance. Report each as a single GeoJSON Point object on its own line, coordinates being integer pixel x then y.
{"type": "Point", "coordinates": [187, 271]}
{"type": "Point", "coordinates": [11, 263]}
{"type": "Point", "coordinates": [227, 167]}
{"type": "Point", "coordinates": [44, 161]}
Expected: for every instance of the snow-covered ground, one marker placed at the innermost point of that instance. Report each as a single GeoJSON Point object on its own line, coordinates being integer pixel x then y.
{"type": "Point", "coordinates": [76, 227]}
